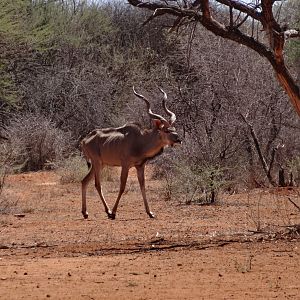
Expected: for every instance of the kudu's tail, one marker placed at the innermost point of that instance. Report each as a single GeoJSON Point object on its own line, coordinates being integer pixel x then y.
{"type": "Point", "coordinates": [84, 154]}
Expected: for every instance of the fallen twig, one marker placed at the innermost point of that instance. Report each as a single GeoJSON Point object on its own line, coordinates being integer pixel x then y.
{"type": "Point", "coordinates": [297, 206]}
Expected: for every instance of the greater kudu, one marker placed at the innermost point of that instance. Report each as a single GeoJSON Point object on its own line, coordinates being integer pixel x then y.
{"type": "Point", "coordinates": [127, 146]}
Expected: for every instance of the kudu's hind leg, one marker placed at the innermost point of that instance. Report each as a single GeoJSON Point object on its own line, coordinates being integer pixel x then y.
{"type": "Point", "coordinates": [99, 190]}
{"type": "Point", "coordinates": [141, 177]}
{"type": "Point", "coordinates": [84, 184]}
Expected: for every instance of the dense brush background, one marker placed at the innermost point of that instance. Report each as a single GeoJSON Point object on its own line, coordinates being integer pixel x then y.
{"type": "Point", "coordinates": [67, 67]}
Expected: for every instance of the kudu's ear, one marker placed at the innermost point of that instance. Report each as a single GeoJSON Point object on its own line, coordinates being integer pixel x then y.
{"type": "Point", "coordinates": [157, 123]}
{"type": "Point", "coordinates": [160, 124]}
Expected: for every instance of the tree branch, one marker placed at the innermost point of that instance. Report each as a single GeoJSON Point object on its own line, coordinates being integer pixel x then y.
{"type": "Point", "coordinates": [266, 168]}
{"type": "Point", "coordinates": [200, 11]}
{"type": "Point", "coordinates": [240, 6]}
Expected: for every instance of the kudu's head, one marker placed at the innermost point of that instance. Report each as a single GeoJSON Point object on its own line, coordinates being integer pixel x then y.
{"type": "Point", "coordinates": [165, 128]}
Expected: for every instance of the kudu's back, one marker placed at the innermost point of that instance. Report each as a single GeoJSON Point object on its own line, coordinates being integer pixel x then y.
{"type": "Point", "coordinates": [112, 146]}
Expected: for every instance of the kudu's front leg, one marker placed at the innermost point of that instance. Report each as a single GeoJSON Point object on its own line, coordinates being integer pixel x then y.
{"type": "Point", "coordinates": [123, 180]}
{"type": "Point", "coordinates": [141, 177]}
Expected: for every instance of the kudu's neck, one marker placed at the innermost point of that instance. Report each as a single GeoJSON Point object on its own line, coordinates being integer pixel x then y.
{"type": "Point", "coordinates": [152, 143]}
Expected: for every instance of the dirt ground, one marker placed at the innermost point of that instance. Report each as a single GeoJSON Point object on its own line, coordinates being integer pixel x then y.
{"type": "Point", "coordinates": [243, 247]}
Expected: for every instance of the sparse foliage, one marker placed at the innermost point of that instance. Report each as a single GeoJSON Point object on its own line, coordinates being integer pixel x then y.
{"type": "Point", "coordinates": [7, 205]}
{"type": "Point", "coordinates": [188, 183]}
{"type": "Point", "coordinates": [36, 142]}
{"type": "Point", "coordinates": [71, 169]}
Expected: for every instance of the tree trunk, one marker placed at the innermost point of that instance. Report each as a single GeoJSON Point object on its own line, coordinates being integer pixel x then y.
{"type": "Point", "coordinates": [287, 82]}
{"type": "Point", "coordinates": [281, 177]}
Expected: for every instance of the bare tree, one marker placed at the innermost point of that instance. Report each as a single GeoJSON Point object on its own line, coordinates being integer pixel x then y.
{"type": "Point", "coordinates": [228, 20]}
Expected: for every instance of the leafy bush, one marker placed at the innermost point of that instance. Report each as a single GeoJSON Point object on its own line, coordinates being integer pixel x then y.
{"type": "Point", "coordinates": [3, 173]}
{"type": "Point", "coordinates": [293, 167]}
{"type": "Point", "coordinates": [36, 142]}
{"type": "Point", "coordinates": [7, 205]}
{"type": "Point", "coordinates": [192, 184]}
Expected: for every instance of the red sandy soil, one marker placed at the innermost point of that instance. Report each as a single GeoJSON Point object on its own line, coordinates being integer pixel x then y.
{"type": "Point", "coordinates": [246, 246]}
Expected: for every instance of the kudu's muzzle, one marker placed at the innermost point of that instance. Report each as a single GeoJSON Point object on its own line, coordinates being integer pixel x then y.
{"type": "Point", "coordinates": [176, 141]}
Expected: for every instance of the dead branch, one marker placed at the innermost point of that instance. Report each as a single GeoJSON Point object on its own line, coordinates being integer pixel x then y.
{"type": "Point", "coordinates": [297, 206]}
{"type": "Point", "coordinates": [266, 168]}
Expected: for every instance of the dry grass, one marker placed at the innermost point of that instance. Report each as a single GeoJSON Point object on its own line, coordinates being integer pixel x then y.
{"type": "Point", "coordinates": [74, 168]}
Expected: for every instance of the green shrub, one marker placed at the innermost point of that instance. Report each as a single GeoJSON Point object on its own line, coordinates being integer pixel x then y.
{"type": "Point", "coordinates": [193, 184]}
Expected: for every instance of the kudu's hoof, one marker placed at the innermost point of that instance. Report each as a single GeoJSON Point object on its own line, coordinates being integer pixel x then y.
{"type": "Point", "coordinates": [85, 215]}
{"type": "Point", "coordinates": [111, 215]}
{"type": "Point", "coordinates": [151, 215]}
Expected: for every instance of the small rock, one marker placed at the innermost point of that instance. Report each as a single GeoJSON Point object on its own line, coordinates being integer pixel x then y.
{"type": "Point", "coordinates": [19, 215]}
